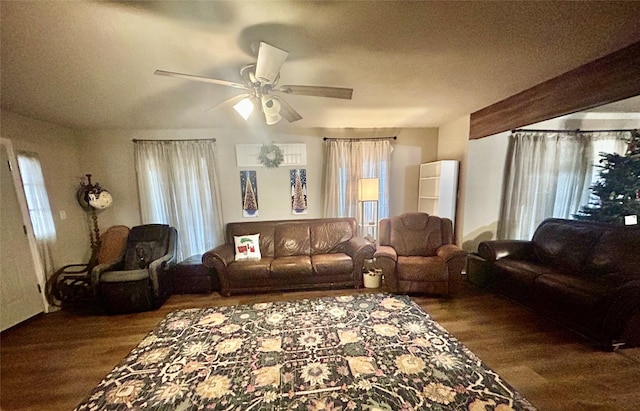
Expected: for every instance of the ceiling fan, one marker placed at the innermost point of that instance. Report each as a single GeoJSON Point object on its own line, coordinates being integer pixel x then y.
{"type": "Point", "coordinates": [260, 81]}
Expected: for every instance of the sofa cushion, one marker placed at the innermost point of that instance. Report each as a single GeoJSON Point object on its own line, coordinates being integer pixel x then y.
{"type": "Point", "coordinates": [332, 264]}
{"type": "Point", "coordinates": [583, 300]}
{"type": "Point", "coordinates": [292, 239]}
{"type": "Point", "coordinates": [415, 234]}
{"type": "Point", "coordinates": [293, 267]}
{"type": "Point", "coordinates": [330, 237]}
{"type": "Point", "coordinates": [516, 278]}
{"type": "Point", "coordinates": [416, 268]}
{"type": "Point", "coordinates": [249, 271]}
{"type": "Point", "coordinates": [617, 251]}
{"type": "Point", "coordinates": [566, 246]}
{"type": "Point", "coordinates": [521, 271]}
{"type": "Point", "coordinates": [583, 291]}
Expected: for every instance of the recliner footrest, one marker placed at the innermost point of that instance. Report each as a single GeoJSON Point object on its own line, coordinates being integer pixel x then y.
{"type": "Point", "coordinates": [126, 297]}
{"type": "Point", "coordinates": [124, 276]}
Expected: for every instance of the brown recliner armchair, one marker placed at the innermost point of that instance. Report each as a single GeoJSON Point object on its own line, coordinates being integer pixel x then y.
{"type": "Point", "coordinates": [417, 254]}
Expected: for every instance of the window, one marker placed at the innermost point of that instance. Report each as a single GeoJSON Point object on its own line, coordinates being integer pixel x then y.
{"type": "Point", "coordinates": [37, 198]}
{"type": "Point", "coordinates": [549, 174]}
{"type": "Point", "coordinates": [178, 184]}
{"type": "Point", "coordinates": [347, 162]}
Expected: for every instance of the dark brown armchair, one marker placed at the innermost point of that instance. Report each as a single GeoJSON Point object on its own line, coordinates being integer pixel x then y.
{"type": "Point", "coordinates": [142, 279]}
{"type": "Point", "coordinates": [417, 254]}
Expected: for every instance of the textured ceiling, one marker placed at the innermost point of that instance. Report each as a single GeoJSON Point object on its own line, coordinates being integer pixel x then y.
{"type": "Point", "coordinates": [411, 64]}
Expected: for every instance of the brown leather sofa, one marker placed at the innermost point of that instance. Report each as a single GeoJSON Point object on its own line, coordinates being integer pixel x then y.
{"type": "Point", "coordinates": [295, 254]}
{"type": "Point", "coordinates": [417, 254]}
{"type": "Point", "coordinates": [583, 274]}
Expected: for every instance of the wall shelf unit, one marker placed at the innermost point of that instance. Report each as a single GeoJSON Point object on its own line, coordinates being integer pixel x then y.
{"type": "Point", "coordinates": [438, 188]}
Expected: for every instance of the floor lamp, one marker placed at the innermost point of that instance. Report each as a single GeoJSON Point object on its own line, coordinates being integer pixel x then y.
{"type": "Point", "coordinates": [368, 193]}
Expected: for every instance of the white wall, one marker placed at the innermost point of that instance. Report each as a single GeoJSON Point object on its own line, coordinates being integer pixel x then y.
{"type": "Point", "coordinates": [413, 147]}
{"type": "Point", "coordinates": [453, 140]}
{"type": "Point", "coordinates": [485, 170]}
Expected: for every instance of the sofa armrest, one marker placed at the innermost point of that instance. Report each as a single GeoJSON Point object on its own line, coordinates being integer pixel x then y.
{"type": "Point", "coordinates": [159, 270]}
{"type": "Point", "coordinates": [220, 257]}
{"type": "Point", "coordinates": [449, 252]}
{"type": "Point", "coordinates": [359, 250]}
{"type": "Point", "coordinates": [620, 325]}
{"type": "Point", "coordinates": [385, 251]}
{"type": "Point", "coordinates": [455, 258]}
{"type": "Point", "coordinates": [357, 245]}
{"type": "Point", "coordinates": [97, 271]}
{"type": "Point", "coordinates": [386, 259]}
{"type": "Point", "coordinates": [496, 249]}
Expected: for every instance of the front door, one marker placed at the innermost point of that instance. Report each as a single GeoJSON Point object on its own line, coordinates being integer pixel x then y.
{"type": "Point", "coordinates": [20, 296]}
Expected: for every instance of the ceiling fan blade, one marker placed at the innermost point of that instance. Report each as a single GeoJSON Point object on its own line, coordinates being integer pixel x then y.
{"type": "Point", "coordinates": [270, 60]}
{"type": "Point", "coordinates": [231, 101]}
{"type": "Point", "coordinates": [202, 79]}
{"type": "Point", "coordinates": [288, 112]}
{"type": "Point", "coordinates": [317, 91]}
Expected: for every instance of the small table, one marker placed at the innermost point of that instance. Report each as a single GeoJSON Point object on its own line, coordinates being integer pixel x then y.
{"type": "Point", "coordinates": [192, 277]}
{"type": "Point", "coordinates": [476, 270]}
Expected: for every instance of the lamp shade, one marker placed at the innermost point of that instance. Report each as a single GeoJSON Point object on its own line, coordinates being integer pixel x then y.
{"type": "Point", "coordinates": [271, 108]}
{"type": "Point", "coordinates": [368, 189]}
{"type": "Point", "coordinates": [244, 107]}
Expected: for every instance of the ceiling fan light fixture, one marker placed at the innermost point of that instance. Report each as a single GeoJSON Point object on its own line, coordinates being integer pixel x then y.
{"type": "Point", "coordinates": [270, 59]}
{"type": "Point", "coordinates": [272, 119]}
{"type": "Point", "coordinates": [271, 108]}
{"type": "Point", "coordinates": [259, 81]}
{"type": "Point", "coordinates": [244, 107]}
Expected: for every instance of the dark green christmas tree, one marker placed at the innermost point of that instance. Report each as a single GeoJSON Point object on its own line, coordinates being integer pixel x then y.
{"type": "Point", "coordinates": [616, 194]}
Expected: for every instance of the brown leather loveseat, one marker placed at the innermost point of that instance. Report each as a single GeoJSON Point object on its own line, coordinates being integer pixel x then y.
{"type": "Point", "coordinates": [584, 274]}
{"type": "Point", "coordinates": [295, 254]}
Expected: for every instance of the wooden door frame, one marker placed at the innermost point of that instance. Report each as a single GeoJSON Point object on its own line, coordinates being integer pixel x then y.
{"type": "Point", "coordinates": [613, 77]}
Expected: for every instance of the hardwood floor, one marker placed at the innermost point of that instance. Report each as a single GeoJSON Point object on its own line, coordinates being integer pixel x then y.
{"type": "Point", "coordinates": [52, 361]}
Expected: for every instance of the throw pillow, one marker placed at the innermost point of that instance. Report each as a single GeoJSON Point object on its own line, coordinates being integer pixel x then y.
{"type": "Point", "coordinates": [247, 247]}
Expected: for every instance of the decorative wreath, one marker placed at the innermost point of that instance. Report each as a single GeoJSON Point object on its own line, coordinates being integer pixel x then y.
{"type": "Point", "coordinates": [270, 155]}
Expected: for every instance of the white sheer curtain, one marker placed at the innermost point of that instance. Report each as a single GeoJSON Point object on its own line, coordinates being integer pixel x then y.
{"type": "Point", "coordinates": [548, 174]}
{"type": "Point", "coordinates": [179, 185]}
{"type": "Point", "coordinates": [346, 162]}
{"type": "Point", "coordinates": [40, 215]}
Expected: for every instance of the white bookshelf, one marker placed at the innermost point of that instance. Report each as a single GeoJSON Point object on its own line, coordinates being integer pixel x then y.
{"type": "Point", "coordinates": [438, 188]}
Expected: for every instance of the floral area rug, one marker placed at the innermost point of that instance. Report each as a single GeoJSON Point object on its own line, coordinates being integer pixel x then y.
{"type": "Point", "coordinates": [361, 352]}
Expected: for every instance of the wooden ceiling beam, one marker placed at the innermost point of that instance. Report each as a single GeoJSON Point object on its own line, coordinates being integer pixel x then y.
{"type": "Point", "coordinates": [613, 77]}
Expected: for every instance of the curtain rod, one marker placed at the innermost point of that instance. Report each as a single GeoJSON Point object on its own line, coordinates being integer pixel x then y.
{"type": "Point", "coordinates": [360, 139]}
{"type": "Point", "coordinates": [574, 131]}
{"type": "Point", "coordinates": [135, 140]}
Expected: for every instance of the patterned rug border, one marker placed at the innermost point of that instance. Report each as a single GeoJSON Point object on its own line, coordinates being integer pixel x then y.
{"type": "Point", "coordinates": [373, 351]}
